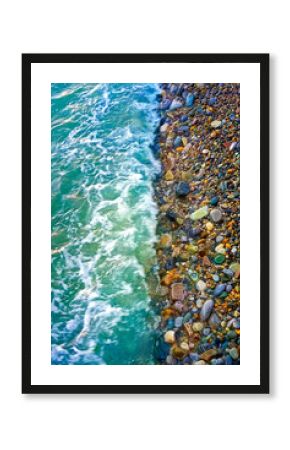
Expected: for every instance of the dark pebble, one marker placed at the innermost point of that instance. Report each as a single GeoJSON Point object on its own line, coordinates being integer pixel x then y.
{"type": "Point", "coordinates": [182, 189]}
{"type": "Point", "coordinates": [214, 201]}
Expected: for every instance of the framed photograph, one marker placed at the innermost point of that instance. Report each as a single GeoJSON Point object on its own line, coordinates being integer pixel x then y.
{"type": "Point", "coordinates": [145, 245]}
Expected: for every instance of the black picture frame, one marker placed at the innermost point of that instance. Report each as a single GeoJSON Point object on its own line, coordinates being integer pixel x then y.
{"type": "Point", "coordinates": [27, 61]}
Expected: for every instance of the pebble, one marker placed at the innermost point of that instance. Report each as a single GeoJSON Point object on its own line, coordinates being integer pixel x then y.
{"type": "Point", "coordinates": [169, 176]}
{"type": "Point", "coordinates": [184, 346]}
{"type": "Point", "coordinates": [165, 241]}
{"type": "Point", "coordinates": [232, 334]}
{"type": "Point", "coordinates": [197, 327]}
{"type": "Point", "coordinates": [194, 232]}
{"type": "Point", "coordinates": [219, 259]}
{"type": "Point", "coordinates": [206, 310]}
{"type": "Point", "coordinates": [229, 288]}
{"type": "Point", "coordinates": [199, 303]}
{"type": "Point", "coordinates": [234, 353]}
{"type": "Point", "coordinates": [169, 337]}
{"type": "Point", "coordinates": [228, 361]}
{"type": "Point", "coordinates": [178, 322]}
{"type": "Point", "coordinates": [216, 215]}
{"type": "Point", "coordinates": [177, 292]}
{"type": "Point", "coordinates": [209, 226]}
{"type": "Point", "coordinates": [201, 285]}
{"type": "Point", "coordinates": [164, 127]}
{"type": "Point", "coordinates": [177, 142]}
{"type": "Point", "coordinates": [214, 201]}
{"type": "Point", "coordinates": [182, 189]}
{"type": "Point", "coordinates": [194, 357]}
{"type": "Point", "coordinates": [228, 272]}
{"type": "Point", "coordinates": [199, 213]}
{"type": "Point", "coordinates": [216, 123]}
{"type": "Point", "coordinates": [220, 249]}
{"type": "Point", "coordinates": [189, 100]}
{"type": "Point", "coordinates": [214, 320]}
{"type": "Point", "coordinates": [212, 101]}
{"type": "Point", "coordinates": [235, 267]}
{"type": "Point", "coordinates": [208, 354]}
{"type": "Point", "coordinates": [176, 104]}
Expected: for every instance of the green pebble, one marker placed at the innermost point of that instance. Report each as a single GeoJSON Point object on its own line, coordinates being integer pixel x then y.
{"type": "Point", "coordinates": [232, 334]}
{"type": "Point", "coordinates": [199, 213]}
{"type": "Point", "coordinates": [187, 317]}
{"type": "Point", "coordinates": [219, 259]}
{"type": "Point", "coordinates": [194, 276]}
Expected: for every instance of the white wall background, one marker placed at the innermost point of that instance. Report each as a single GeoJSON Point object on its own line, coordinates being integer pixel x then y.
{"type": "Point", "coordinates": [141, 422]}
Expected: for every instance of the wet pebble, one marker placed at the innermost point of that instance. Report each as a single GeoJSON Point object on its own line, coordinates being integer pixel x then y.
{"type": "Point", "coordinates": [216, 215]}
{"type": "Point", "coordinates": [206, 310]}
{"type": "Point", "coordinates": [178, 322]}
{"type": "Point", "coordinates": [219, 289]}
{"type": "Point", "coordinates": [182, 189]}
{"type": "Point", "coordinates": [234, 354]}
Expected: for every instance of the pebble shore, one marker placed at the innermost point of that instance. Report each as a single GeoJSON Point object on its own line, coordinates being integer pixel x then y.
{"type": "Point", "coordinates": [198, 251]}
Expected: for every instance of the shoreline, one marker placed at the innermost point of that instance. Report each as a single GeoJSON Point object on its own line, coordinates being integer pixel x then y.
{"type": "Point", "coordinates": [198, 226]}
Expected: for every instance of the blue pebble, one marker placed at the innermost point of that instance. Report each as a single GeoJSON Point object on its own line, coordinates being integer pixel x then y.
{"type": "Point", "coordinates": [219, 361]}
{"type": "Point", "coordinates": [173, 89]}
{"type": "Point", "coordinates": [204, 347]}
{"type": "Point", "coordinates": [223, 186]}
{"type": "Point", "coordinates": [228, 272]}
{"type": "Point", "coordinates": [183, 128]}
{"type": "Point", "coordinates": [232, 116]}
{"type": "Point", "coordinates": [189, 100]}
{"type": "Point", "coordinates": [194, 232]}
{"type": "Point", "coordinates": [216, 278]}
{"type": "Point", "coordinates": [171, 215]}
{"type": "Point", "coordinates": [194, 357]}
{"type": "Point", "coordinates": [176, 104]}
{"type": "Point", "coordinates": [169, 265]}
{"type": "Point", "coordinates": [177, 141]}
{"type": "Point", "coordinates": [170, 324]}
{"type": "Point", "coordinates": [206, 331]}
{"type": "Point", "coordinates": [236, 325]}
{"type": "Point", "coordinates": [178, 322]}
{"type": "Point", "coordinates": [229, 361]}
{"type": "Point", "coordinates": [212, 101]}
{"type": "Point", "coordinates": [224, 345]}
{"type": "Point", "coordinates": [187, 360]}
{"type": "Point", "coordinates": [219, 289]}
{"type": "Point", "coordinates": [229, 287]}
{"type": "Point", "coordinates": [165, 104]}
{"type": "Point", "coordinates": [182, 189]}
{"type": "Point", "coordinates": [184, 118]}
{"type": "Point", "coordinates": [214, 201]}
{"type": "Point", "coordinates": [180, 89]}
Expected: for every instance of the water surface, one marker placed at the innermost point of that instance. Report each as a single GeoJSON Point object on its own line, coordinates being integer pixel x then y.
{"type": "Point", "coordinates": [103, 222]}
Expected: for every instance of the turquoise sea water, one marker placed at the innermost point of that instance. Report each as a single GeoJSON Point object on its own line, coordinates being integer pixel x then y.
{"type": "Point", "coordinates": [103, 222]}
